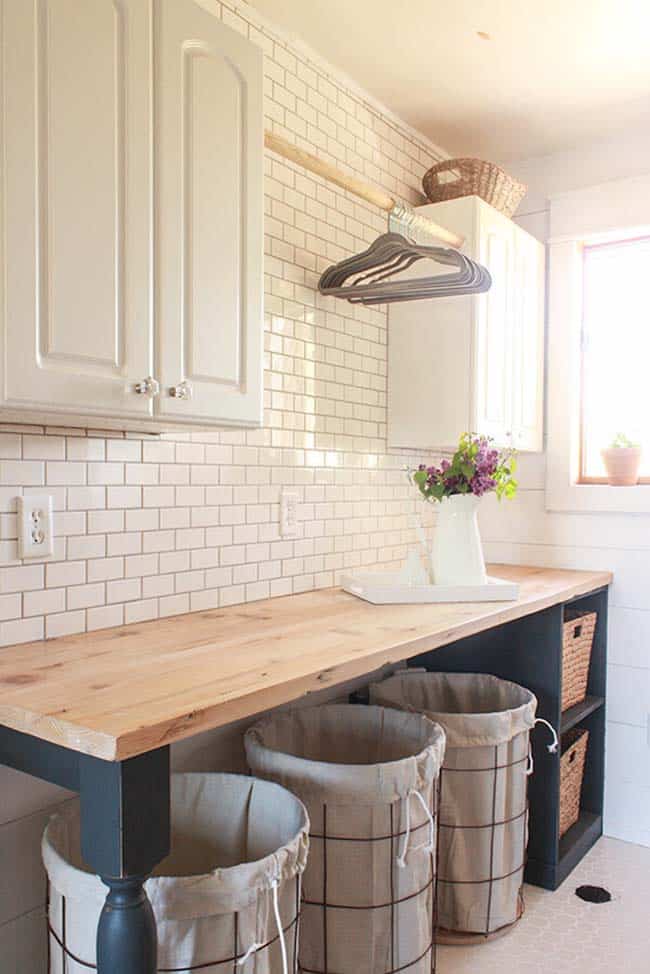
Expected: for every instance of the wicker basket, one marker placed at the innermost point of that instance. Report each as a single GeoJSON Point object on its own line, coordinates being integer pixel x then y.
{"type": "Point", "coordinates": [474, 177]}
{"type": "Point", "coordinates": [578, 638]}
{"type": "Point", "coordinates": [572, 770]}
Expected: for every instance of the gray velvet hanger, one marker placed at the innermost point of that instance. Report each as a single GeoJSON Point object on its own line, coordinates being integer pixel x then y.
{"type": "Point", "coordinates": [366, 278]}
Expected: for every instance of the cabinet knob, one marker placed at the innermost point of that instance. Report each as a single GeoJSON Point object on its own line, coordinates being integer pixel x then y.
{"type": "Point", "coordinates": [149, 387]}
{"type": "Point", "coordinates": [182, 391]}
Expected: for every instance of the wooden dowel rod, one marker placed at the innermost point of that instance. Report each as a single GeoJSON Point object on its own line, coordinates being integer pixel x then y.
{"type": "Point", "coordinates": [371, 194]}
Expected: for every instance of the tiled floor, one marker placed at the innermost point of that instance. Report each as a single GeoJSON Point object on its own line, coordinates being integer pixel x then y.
{"type": "Point", "coordinates": [560, 934]}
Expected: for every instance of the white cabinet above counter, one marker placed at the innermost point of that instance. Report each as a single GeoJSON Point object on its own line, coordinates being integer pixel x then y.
{"type": "Point", "coordinates": [472, 363]}
{"type": "Point", "coordinates": [132, 216]}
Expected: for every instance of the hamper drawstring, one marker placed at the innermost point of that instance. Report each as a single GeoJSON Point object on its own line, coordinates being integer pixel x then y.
{"type": "Point", "coordinates": [551, 748]}
{"type": "Point", "coordinates": [254, 947]}
{"type": "Point", "coordinates": [426, 847]}
{"type": "Point", "coordinates": [278, 923]}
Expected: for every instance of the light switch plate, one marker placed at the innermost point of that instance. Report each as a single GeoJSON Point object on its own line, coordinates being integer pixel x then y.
{"type": "Point", "coordinates": [289, 514]}
{"type": "Point", "coordinates": [35, 526]}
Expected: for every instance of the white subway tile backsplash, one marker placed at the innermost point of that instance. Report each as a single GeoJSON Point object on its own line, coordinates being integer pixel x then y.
{"type": "Point", "coordinates": [44, 601]}
{"type": "Point", "coordinates": [100, 522]}
{"type": "Point", "coordinates": [123, 450]}
{"type": "Point", "coordinates": [65, 573]}
{"type": "Point", "coordinates": [44, 448]}
{"type": "Point", "coordinates": [66, 472]}
{"type": "Point", "coordinates": [83, 596]}
{"type": "Point", "coordinates": [22, 578]}
{"type": "Point", "coordinates": [65, 624]}
{"type": "Point", "coordinates": [87, 546]}
{"type": "Point", "coordinates": [10, 446]}
{"type": "Point", "coordinates": [86, 448]}
{"type": "Point", "coordinates": [141, 520]}
{"type": "Point", "coordinates": [86, 498]}
{"type": "Point", "coordinates": [124, 497]}
{"type": "Point", "coordinates": [21, 631]}
{"type": "Point", "coordinates": [158, 451]}
{"type": "Point", "coordinates": [156, 585]}
{"type": "Point", "coordinates": [127, 543]}
{"type": "Point", "coordinates": [141, 611]}
{"type": "Point", "coordinates": [140, 565]}
{"type": "Point", "coordinates": [124, 589]}
{"type": "Point", "coordinates": [104, 617]}
{"type": "Point", "coordinates": [26, 473]}
{"type": "Point", "coordinates": [104, 569]}
{"type": "Point", "coordinates": [174, 605]}
{"type": "Point", "coordinates": [106, 473]}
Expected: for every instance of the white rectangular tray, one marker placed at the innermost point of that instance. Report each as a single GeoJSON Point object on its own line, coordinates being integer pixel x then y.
{"type": "Point", "coordinates": [384, 588]}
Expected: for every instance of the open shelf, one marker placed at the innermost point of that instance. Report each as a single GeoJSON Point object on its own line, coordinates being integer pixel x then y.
{"type": "Point", "coordinates": [574, 715]}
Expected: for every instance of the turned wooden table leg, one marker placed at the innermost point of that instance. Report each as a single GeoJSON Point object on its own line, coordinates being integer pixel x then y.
{"type": "Point", "coordinates": [126, 937]}
{"type": "Point", "coordinates": [125, 832]}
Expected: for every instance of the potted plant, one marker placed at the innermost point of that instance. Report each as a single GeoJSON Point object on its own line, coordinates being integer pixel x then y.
{"type": "Point", "coordinates": [622, 459]}
{"type": "Point", "coordinates": [456, 486]}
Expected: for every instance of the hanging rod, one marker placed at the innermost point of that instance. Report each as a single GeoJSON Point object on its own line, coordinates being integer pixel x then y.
{"type": "Point", "coordinates": [371, 194]}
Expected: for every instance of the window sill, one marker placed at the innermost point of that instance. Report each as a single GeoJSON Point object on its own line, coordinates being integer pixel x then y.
{"type": "Point", "coordinates": [598, 498]}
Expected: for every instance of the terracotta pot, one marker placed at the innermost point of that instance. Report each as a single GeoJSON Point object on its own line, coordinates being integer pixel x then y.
{"type": "Point", "coordinates": [622, 464]}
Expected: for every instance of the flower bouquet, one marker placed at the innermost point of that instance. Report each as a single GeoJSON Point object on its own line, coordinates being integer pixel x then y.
{"type": "Point", "coordinates": [457, 485]}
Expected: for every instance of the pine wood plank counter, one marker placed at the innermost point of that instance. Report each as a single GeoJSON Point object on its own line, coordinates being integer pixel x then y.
{"type": "Point", "coordinates": [126, 691]}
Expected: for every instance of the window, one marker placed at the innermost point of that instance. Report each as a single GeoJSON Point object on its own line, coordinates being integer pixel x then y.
{"type": "Point", "coordinates": [615, 352]}
{"type": "Point", "coordinates": [598, 380]}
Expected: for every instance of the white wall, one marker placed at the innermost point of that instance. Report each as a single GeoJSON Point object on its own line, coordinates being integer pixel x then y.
{"type": "Point", "coordinates": [525, 532]}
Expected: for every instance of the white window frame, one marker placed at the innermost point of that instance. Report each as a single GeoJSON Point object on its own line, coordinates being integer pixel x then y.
{"type": "Point", "coordinates": [610, 211]}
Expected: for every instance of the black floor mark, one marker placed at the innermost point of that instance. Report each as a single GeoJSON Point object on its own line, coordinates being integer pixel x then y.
{"type": "Point", "coordinates": [593, 894]}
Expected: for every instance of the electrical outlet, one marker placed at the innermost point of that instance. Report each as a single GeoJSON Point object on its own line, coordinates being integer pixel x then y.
{"type": "Point", "coordinates": [35, 526]}
{"type": "Point", "coordinates": [288, 514]}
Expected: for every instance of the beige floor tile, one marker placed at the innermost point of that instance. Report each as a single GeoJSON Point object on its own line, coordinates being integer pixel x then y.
{"type": "Point", "coordinates": [560, 934]}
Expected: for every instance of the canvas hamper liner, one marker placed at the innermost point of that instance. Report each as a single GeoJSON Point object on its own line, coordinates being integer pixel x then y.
{"type": "Point", "coordinates": [483, 792]}
{"type": "Point", "coordinates": [239, 847]}
{"type": "Point", "coordinates": [368, 776]}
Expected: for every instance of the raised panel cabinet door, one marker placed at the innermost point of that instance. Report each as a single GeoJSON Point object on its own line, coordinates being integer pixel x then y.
{"type": "Point", "coordinates": [493, 351]}
{"type": "Point", "coordinates": [528, 343]}
{"type": "Point", "coordinates": [76, 126]}
{"type": "Point", "coordinates": [209, 217]}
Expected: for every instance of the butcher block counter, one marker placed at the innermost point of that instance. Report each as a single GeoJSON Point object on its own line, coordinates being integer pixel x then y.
{"type": "Point", "coordinates": [124, 691]}
{"type": "Point", "coordinates": [96, 713]}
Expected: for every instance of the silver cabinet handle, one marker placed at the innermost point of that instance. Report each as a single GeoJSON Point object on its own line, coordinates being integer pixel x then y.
{"type": "Point", "coordinates": [182, 391]}
{"type": "Point", "coordinates": [149, 387]}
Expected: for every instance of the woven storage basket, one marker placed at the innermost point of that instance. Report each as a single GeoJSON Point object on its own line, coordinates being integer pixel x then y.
{"type": "Point", "coordinates": [474, 177]}
{"type": "Point", "coordinates": [577, 640]}
{"type": "Point", "coordinates": [572, 770]}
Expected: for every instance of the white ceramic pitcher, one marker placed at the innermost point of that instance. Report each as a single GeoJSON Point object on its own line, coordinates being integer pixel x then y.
{"type": "Point", "coordinates": [457, 553]}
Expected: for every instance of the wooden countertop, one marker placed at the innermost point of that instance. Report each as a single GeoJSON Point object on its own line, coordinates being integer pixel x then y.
{"type": "Point", "coordinates": [120, 692]}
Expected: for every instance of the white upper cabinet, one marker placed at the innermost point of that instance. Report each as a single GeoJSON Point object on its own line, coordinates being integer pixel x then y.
{"type": "Point", "coordinates": [209, 217]}
{"type": "Point", "coordinates": [76, 131]}
{"type": "Point", "coordinates": [473, 363]}
{"type": "Point", "coordinates": [132, 215]}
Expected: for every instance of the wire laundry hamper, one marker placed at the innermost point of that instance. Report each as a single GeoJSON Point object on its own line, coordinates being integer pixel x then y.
{"type": "Point", "coordinates": [368, 777]}
{"type": "Point", "coordinates": [227, 898]}
{"type": "Point", "coordinates": [483, 792]}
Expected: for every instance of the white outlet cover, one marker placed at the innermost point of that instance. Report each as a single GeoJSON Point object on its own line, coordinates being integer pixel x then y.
{"type": "Point", "coordinates": [35, 526]}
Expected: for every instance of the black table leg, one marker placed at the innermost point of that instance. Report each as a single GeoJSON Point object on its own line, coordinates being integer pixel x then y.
{"type": "Point", "coordinates": [125, 830]}
{"type": "Point", "coordinates": [126, 937]}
